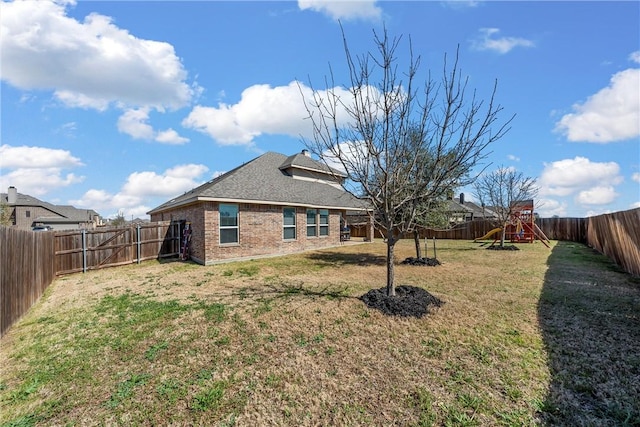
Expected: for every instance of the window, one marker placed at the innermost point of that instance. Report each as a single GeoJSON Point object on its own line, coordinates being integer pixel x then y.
{"type": "Point", "coordinates": [324, 222]}
{"type": "Point", "coordinates": [312, 225]}
{"type": "Point", "coordinates": [289, 223]}
{"type": "Point", "coordinates": [228, 224]}
{"type": "Point", "coordinates": [28, 214]}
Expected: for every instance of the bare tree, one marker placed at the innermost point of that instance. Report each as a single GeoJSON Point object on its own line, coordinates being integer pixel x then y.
{"type": "Point", "coordinates": [500, 190]}
{"type": "Point", "coordinates": [401, 143]}
{"type": "Point", "coordinates": [119, 220]}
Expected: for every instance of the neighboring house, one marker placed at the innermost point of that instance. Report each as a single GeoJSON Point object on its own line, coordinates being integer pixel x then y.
{"type": "Point", "coordinates": [461, 210]}
{"type": "Point", "coordinates": [27, 212]}
{"type": "Point", "coordinates": [271, 205]}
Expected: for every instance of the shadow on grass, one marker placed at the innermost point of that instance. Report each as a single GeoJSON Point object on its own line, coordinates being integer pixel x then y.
{"type": "Point", "coordinates": [338, 258]}
{"type": "Point", "coordinates": [589, 314]}
{"type": "Point", "coordinates": [288, 290]}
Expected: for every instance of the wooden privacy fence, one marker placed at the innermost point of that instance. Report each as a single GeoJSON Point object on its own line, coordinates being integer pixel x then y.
{"type": "Point", "coordinates": [83, 250]}
{"type": "Point", "coordinates": [29, 261]}
{"type": "Point", "coordinates": [26, 269]}
{"type": "Point", "coordinates": [617, 235]}
{"type": "Point", "coordinates": [464, 231]}
{"type": "Point", "coordinates": [571, 229]}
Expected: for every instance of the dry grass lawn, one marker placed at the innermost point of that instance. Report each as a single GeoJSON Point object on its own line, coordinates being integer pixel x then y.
{"type": "Point", "coordinates": [528, 337]}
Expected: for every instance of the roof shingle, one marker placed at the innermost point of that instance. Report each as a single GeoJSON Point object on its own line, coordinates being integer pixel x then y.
{"type": "Point", "coordinates": [264, 180]}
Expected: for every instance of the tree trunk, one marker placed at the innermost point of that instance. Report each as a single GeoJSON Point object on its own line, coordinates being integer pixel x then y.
{"type": "Point", "coordinates": [503, 234]}
{"type": "Point", "coordinates": [416, 240]}
{"type": "Point", "coordinates": [391, 286]}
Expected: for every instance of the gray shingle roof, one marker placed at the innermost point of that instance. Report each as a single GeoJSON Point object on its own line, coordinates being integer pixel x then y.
{"type": "Point", "coordinates": [469, 207]}
{"type": "Point", "coordinates": [303, 161]}
{"type": "Point", "coordinates": [68, 212]}
{"type": "Point", "coordinates": [265, 180]}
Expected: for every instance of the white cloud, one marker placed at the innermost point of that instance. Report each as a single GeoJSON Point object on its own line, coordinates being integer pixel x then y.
{"type": "Point", "coordinates": [36, 170]}
{"type": "Point", "coordinates": [170, 136]}
{"type": "Point", "coordinates": [220, 124]}
{"type": "Point", "coordinates": [134, 195]}
{"type": "Point", "coordinates": [352, 153]}
{"type": "Point", "coordinates": [67, 129]}
{"type": "Point", "coordinates": [635, 56]}
{"type": "Point", "coordinates": [513, 158]}
{"type": "Point", "coordinates": [599, 195]}
{"type": "Point", "coordinates": [501, 45]}
{"type": "Point", "coordinates": [590, 183]}
{"type": "Point", "coordinates": [344, 9]}
{"type": "Point", "coordinates": [570, 176]}
{"type": "Point", "coordinates": [548, 208]}
{"type": "Point", "coordinates": [461, 4]}
{"type": "Point", "coordinates": [609, 115]}
{"type": "Point", "coordinates": [173, 181]}
{"type": "Point", "coordinates": [261, 109]}
{"type": "Point", "coordinates": [89, 63]}
{"type": "Point", "coordinates": [636, 177]}
{"type": "Point", "coordinates": [38, 182]}
{"type": "Point", "coordinates": [35, 158]}
{"type": "Point", "coordinates": [103, 201]}
{"type": "Point", "coordinates": [134, 122]}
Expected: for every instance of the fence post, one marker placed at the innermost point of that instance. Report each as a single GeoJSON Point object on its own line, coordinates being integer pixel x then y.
{"type": "Point", "coordinates": [84, 250]}
{"type": "Point", "coordinates": [138, 242]}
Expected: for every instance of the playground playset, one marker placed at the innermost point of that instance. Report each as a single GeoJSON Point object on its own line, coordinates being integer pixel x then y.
{"type": "Point", "coordinates": [521, 226]}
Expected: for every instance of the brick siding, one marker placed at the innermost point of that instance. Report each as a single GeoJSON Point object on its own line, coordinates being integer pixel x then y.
{"type": "Point", "coordinates": [260, 231]}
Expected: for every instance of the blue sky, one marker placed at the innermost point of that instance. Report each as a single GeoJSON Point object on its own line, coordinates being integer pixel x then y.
{"type": "Point", "coordinates": [120, 106]}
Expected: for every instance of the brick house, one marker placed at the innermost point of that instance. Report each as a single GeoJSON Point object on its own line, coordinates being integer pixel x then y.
{"type": "Point", "coordinates": [271, 205]}
{"type": "Point", "coordinates": [25, 212]}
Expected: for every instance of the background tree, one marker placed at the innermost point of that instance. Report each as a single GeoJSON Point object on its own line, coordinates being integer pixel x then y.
{"type": "Point", "coordinates": [499, 190]}
{"type": "Point", "coordinates": [401, 143]}
{"type": "Point", "coordinates": [434, 215]}
{"type": "Point", "coordinates": [5, 214]}
{"type": "Point", "coordinates": [119, 220]}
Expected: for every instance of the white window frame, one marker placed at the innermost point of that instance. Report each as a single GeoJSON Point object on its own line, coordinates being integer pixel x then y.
{"type": "Point", "coordinates": [312, 226]}
{"type": "Point", "coordinates": [286, 226]}
{"type": "Point", "coordinates": [229, 227]}
{"type": "Point", "coordinates": [323, 228]}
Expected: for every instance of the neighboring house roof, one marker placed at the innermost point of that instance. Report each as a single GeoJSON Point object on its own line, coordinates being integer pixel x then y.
{"type": "Point", "coordinates": [469, 207]}
{"type": "Point", "coordinates": [267, 179]}
{"type": "Point", "coordinates": [62, 213]}
{"type": "Point", "coordinates": [454, 206]}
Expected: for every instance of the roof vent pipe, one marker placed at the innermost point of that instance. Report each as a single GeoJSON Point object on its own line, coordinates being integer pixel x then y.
{"type": "Point", "coordinates": [306, 153]}
{"type": "Point", "coordinates": [12, 195]}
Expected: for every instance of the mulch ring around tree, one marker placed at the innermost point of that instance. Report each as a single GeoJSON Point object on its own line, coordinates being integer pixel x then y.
{"type": "Point", "coordinates": [504, 248]}
{"type": "Point", "coordinates": [410, 301]}
{"type": "Point", "coordinates": [431, 262]}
